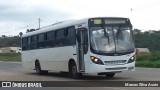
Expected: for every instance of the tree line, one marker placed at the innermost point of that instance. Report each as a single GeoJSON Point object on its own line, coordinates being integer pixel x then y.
{"type": "Point", "coordinates": [148, 39]}
{"type": "Point", "coordinates": [10, 41]}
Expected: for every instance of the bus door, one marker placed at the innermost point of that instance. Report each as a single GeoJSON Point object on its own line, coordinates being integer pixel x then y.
{"type": "Point", "coordinates": [81, 38]}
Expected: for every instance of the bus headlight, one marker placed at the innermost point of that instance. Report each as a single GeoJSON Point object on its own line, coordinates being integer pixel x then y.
{"type": "Point", "coordinates": [132, 59]}
{"type": "Point", "coordinates": [96, 60]}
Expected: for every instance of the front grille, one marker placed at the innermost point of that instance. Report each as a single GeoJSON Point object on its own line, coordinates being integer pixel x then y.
{"type": "Point", "coordinates": [117, 62]}
{"type": "Point", "coordinates": [117, 68]}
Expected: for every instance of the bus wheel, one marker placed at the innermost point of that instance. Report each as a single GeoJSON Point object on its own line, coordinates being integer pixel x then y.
{"type": "Point", "coordinates": [73, 71]}
{"type": "Point", "coordinates": [38, 68]}
{"type": "Point", "coordinates": [110, 75]}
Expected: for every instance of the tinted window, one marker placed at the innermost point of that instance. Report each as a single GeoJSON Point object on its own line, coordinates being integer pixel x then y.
{"type": "Point", "coordinates": [66, 32]}
{"type": "Point", "coordinates": [71, 31]}
{"type": "Point", "coordinates": [41, 37]}
{"type": "Point", "coordinates": [57, 38]}
{"type": "Point", "coordinates": [71, 36]}
{"type": "Point", "coordinates": [34, 38]}
{"type": "Point", "coordinates": [50, 35]}
{"type": "Point", "coordinates": [33, 44]}
{"type": "Point", "coordinates": [60, 34]}
{"type": "Point", "coordinates": [24, 43]}
{"type": "Point", "coordinates": [25, 40]}
{"type": "Point", "coordinates": [29, 40]}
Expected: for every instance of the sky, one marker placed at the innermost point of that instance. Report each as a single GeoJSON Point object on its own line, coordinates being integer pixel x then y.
{"type": "Point", "coordinates": [19, 15]}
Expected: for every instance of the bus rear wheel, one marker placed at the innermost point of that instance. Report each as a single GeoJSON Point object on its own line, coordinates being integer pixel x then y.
{"type": "Point", "coordinates": [38, 69]}
{"type": "Point", "coordinates": [110, 75]}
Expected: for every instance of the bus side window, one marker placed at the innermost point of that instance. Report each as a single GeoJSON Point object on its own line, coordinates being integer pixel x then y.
{"type": "Point", "coordinates": [25, 43]}
{"type": "Point", "coordinates": [41, 40]}
{"type": "Point", "coordinates": [66, 32]}
{"type": "Point", "coordinates": [33, 42]}
{"type": "Point", "coordinates": [50, 35]}
{"type": "Point", "coordinates": [60, 34]}
{"type": "Point", "coordinates": [60, 38]}
{"type": "Point", "coordinates": [50, 40]}
{"type": "Point", "coordinates": [41, 37]}
{"type": "Point", "coordinates": [55, 34]}
{"type": "Point", "coordinates": [72, 35]}
{"type": "Point", "coordinates": [29, 43]}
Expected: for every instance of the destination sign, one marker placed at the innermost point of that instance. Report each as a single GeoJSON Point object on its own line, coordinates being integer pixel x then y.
{"type": "Point", "coordinates": [115, 21]}
{"type": "Point", "coordinates": [108, 21]}
{"type": "Point", "coordinates": [97, 21]}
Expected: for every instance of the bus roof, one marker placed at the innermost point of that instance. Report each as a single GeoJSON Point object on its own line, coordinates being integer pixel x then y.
{"type": "Point", "coordinates": [55, 26]}
{"type": "Point", "coordinates": [62, 24]}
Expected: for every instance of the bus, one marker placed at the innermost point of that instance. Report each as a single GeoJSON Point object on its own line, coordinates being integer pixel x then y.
{"type": "Point", "coordinates": [98, 45]}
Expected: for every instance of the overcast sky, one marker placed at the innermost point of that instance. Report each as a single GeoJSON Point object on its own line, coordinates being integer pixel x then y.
{"type": "Point", "coordinates": [18, 15]}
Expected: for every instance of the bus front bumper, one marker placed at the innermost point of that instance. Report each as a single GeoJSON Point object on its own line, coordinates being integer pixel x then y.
{"type": "Point", "coordinates": [95, 68]}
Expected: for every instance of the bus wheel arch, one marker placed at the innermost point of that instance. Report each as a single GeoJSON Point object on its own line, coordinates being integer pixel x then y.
{"type": "Point", "coordinates": [110, 75]}
{"type": "Point", "coordinates": [72, 68]}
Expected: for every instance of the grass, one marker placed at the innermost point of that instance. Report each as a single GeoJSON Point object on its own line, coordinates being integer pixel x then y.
{"type": "Point", "coordinates": [149, 64]}
{"type": "Point", "coordinates": [10, 57]}
{"type": "Point", "coordinates": [151, 60]}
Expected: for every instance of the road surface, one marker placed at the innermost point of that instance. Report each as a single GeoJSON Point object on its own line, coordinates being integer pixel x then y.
{"type": "Point", "coordinates": [13, 71]}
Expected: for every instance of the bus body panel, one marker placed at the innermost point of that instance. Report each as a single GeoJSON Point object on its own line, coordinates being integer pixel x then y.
{"type": "Point", "coordinates": [54, 59]}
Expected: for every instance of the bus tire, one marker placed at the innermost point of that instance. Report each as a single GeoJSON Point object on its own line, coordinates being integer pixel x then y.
{"type": "Point", "coordinates": [73, 71]}
{"type": "Point", "coordinates": [110, 75]}
{"type": "Point", "coordinates": [38, 69]}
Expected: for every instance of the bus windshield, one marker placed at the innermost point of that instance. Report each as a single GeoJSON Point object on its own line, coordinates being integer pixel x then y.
{"type": "Point", "coordinates": [111, 39]}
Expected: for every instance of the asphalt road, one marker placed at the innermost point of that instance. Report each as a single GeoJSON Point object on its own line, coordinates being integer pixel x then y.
{"type": "Point", "coordinates": [13, 71]}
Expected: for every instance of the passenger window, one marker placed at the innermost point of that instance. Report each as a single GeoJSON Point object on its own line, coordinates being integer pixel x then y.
{"type": "Point", "coordinates": [71, 36]}
{"type": "Point", "coordinates": [66, 32]}
{"type": "Point", "coordinates": [25, 40]}
{"type": "Point", "coordinates": [60, 34]}
{"type": "Point", "coordinates": [34, 38]}
{"type": "Point", "coordinates": [24, 43]}
{"type": "Point", "coordinates": [50, 35]}
{"type": "Point", "coordinates": [71, 31]}
{"type": "Point", "coordinates": [41, 37]}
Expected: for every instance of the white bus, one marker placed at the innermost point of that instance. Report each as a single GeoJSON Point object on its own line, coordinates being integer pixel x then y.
{"type": "Point", "coordinates": [102, 45]}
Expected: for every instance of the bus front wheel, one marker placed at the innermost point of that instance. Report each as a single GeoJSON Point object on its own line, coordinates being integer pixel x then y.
{"type": "Point", "coordinates": [73, 71]}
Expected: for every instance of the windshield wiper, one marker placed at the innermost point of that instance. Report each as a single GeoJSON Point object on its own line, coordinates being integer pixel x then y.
{"type": "Point", "coordinates": [118, 32]}
{"type": "Point", "coordinates": [106, 35]}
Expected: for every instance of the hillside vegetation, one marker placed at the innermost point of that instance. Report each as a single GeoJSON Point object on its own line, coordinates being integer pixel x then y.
{"type": "Point", "coordinates": [8, 41]}
{"type": "Point", "coordinates": [148, 40]}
